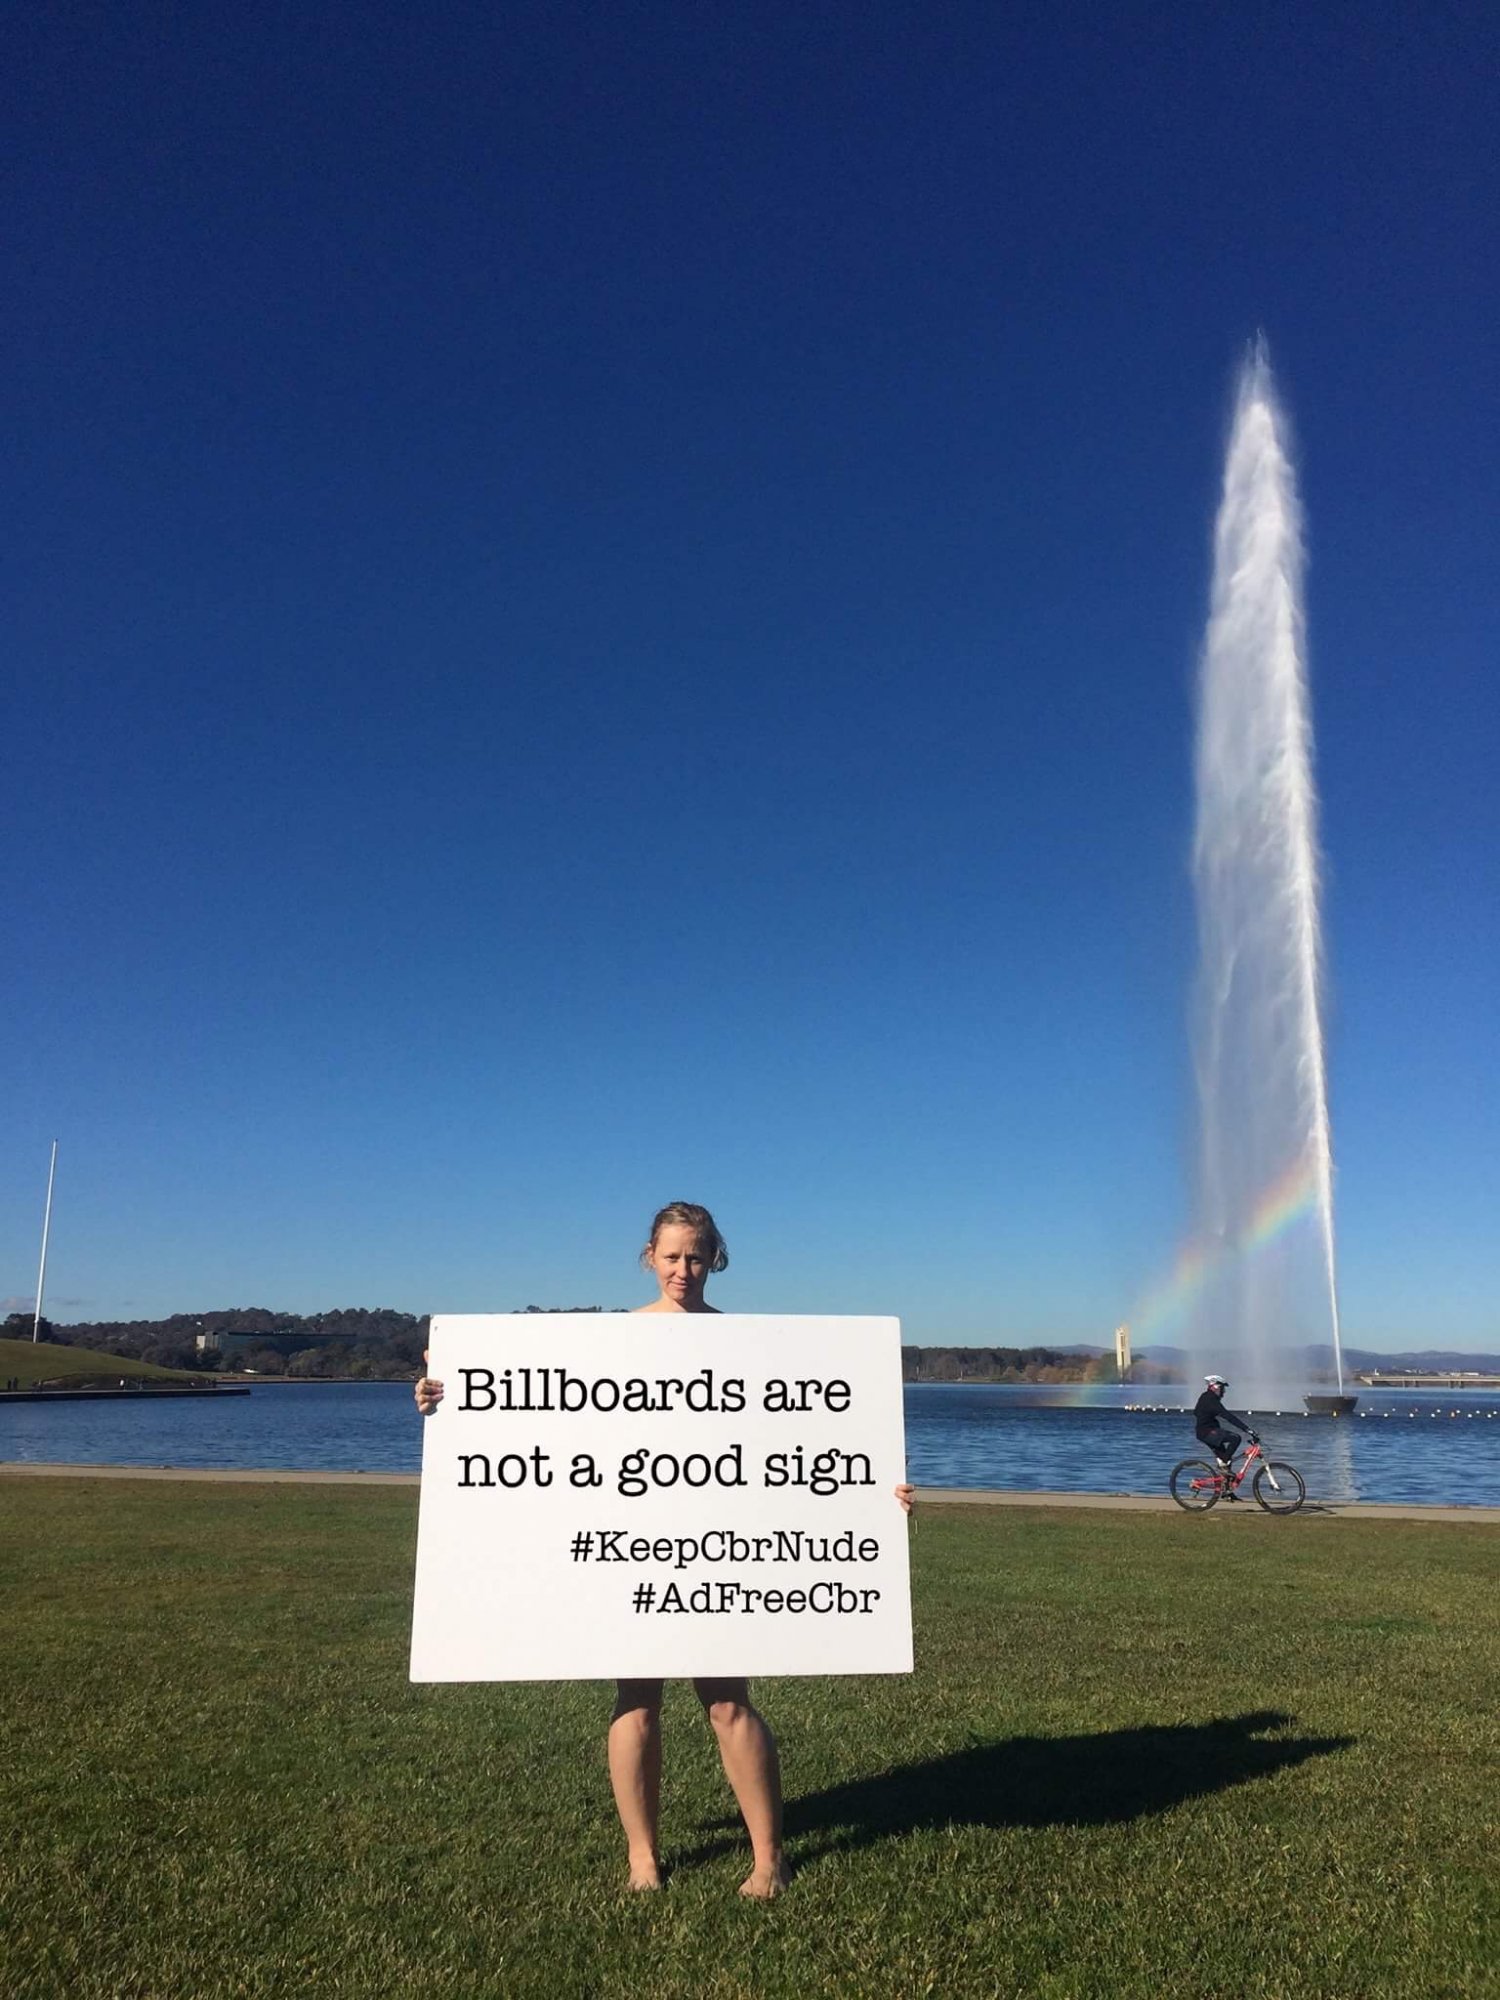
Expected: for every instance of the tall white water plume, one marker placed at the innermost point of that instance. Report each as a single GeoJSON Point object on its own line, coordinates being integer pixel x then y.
{"type": "Point", "coordinates": [1266, 1241]}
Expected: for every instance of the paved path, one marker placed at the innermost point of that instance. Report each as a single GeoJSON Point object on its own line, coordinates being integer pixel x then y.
{"type": "Point", "coordinates": [1151, 1503]}
{"type": "Point", "coordinates": [1126, 1503]}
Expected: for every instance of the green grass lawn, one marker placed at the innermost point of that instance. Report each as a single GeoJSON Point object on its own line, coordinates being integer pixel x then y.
{"type": "Point", "coordinates": [49, 1361]}
{"type": "Point", "coordinates": [1142, 1754]}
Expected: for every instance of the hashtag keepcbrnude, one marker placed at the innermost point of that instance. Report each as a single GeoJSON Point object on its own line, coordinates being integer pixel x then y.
{"type": "Point", "coordinates": [645, 1596]}
{"type": "Point", "coordinates": [583, 1547]}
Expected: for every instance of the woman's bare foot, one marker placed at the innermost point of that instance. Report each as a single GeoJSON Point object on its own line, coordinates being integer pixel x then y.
{"type": "Point", "coordinates": [645, 1872]}
{"type": "Point", "coordinates": [764, 1883]}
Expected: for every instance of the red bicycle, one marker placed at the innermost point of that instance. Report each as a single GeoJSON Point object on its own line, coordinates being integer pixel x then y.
{"type": "Point", "coordinates": [1198, 1484]}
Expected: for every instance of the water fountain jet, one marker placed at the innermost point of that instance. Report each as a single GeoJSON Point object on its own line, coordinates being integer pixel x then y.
{"type": "Point", "coordinates": [1265, 1164]}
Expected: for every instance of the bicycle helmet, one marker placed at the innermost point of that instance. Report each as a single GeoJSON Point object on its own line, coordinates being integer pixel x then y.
{"type": "Point", "coordinates": [1216, 1382]}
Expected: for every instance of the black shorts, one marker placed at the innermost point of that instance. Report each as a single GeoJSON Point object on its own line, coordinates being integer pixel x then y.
{"type": "Point", "coordinates": [1223, 1444]}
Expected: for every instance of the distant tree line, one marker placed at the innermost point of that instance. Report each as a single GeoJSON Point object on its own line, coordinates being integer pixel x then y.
{"type": "Point", "coordinates": [352, 1343]}
{"type": "Point", "coordinates": [370, 1343]}
{"type": "Point", "coordinates": [1016, 1364]}
{"type": "Point", "coordinates": [379, 1344]}
{"type": "Point", "coordinates": [1002, 1364]}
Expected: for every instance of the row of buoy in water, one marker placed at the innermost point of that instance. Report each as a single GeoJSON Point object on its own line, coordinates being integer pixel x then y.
{"type": "Point", "coordinates": [1377, 1416]}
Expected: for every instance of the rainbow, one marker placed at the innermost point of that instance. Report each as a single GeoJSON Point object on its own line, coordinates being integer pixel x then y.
{"type": "Point", "coordinates": [1291, 1196]}
{"type": "Point", "coordinates": [1077, 1395]}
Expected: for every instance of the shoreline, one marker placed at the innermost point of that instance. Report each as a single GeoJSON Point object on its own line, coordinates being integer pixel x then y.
{"type": "Point", "coordinates": [85, 1394]}
{"type": "Point", "coordinates": [935, 1496]}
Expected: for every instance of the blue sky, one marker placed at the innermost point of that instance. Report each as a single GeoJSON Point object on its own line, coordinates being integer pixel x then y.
{"type": "Point", "coordinates": [602, 606]}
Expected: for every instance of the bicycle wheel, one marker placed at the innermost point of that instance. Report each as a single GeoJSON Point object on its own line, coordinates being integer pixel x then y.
{"type": "Point", "coordinates": [1195, 1485]}
{"type": "Point", "coordinates": [1279, 1488]}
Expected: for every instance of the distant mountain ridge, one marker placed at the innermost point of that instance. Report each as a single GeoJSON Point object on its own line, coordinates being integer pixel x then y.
{"type": "Point", "coordinates": [1317, 1359]}
{"type": "Point", "coordinates": [1428, 1360]}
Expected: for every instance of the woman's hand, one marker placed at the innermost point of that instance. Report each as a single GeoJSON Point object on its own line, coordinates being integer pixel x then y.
{"type": "Point", "coordinates": [907, 1495]}
{"type": "Point", "coordinates": [428, 1393]}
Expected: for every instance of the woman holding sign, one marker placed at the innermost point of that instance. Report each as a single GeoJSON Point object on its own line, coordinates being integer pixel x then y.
{"type": "Point", "coordinates": [684, 1248]}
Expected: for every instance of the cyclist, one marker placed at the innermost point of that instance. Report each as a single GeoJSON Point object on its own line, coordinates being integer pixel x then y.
{"type": "Point", "coordinates": [1209, 1419]}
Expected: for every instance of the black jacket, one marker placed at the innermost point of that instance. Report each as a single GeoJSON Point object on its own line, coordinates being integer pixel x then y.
{"type": "Point", "coordinates": [1209, 1412]}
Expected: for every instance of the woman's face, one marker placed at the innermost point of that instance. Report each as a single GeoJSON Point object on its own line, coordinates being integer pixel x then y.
{"type": "Point", "coordinates": [681, 1265]}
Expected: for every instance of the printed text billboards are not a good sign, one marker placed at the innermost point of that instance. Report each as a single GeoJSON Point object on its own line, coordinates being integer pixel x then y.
{"type": "Point", "coordinates": [662, 1494]}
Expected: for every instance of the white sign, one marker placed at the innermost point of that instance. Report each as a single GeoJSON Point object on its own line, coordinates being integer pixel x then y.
{"type": "Point", "coordinates": [665, 1494]}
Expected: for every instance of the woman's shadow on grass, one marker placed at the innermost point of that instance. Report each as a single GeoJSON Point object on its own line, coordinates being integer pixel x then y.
{"type": "Point", "coordinates": [1100, 1780]}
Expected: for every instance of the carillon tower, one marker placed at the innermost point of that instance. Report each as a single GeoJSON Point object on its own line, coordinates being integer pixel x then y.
{"type": "Point", "coordinates": [1122, 1351]}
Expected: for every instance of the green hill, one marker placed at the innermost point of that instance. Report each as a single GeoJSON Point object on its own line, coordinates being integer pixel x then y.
{"type": "Point", "coordinates": [45, 1361]}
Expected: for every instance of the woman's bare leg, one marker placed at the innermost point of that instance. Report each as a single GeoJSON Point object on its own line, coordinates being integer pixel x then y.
{"type": "Point", "coordinates": [635, 1774]}
{"type": "Point", "coordinates": [748, 1750]}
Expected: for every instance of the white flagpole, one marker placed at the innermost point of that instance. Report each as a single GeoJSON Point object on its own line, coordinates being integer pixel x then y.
{"type": "Point", "coordinates": [41, 1276]}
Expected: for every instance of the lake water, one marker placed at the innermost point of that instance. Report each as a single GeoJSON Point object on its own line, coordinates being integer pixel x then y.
{"type": "Point", "coordinates": [1419, 1446]}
